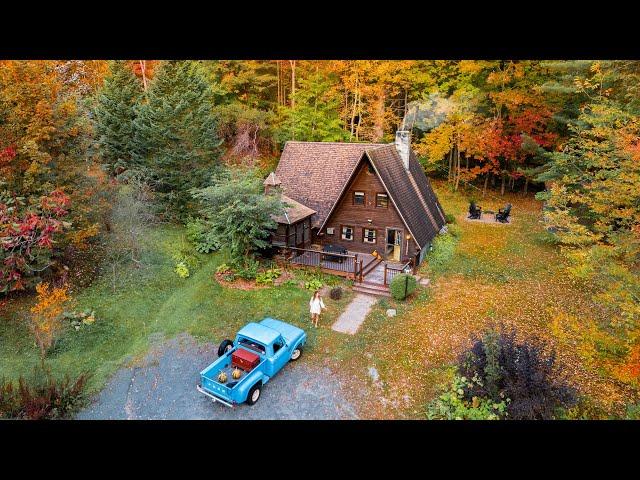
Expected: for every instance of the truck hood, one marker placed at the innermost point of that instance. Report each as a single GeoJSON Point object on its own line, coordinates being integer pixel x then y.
{"type": "Point", "coordinates": [289, 332]}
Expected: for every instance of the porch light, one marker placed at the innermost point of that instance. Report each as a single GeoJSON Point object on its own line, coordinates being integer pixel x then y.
{"type": "Point", "coordinates": [408, 237]}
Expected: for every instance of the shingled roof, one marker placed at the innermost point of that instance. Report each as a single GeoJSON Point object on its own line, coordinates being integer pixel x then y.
{"type": "Point", "coordinates": [316, 174]}
{"type": "Point", "coordinates": [410, 191]}
{"type": "Point", "coordinates": [293, 211]}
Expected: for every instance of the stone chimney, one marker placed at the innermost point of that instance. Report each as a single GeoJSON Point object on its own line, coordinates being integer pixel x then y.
{"type": "Point", "coordinates": [271, 183]}
{"type": "Point", "coordinates": [403, 145]}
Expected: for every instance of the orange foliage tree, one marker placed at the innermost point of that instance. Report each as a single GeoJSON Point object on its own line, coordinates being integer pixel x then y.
{"type": "Point", "coordinates": [46, 315]}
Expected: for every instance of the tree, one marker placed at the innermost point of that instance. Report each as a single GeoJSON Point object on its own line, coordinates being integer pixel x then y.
{"type": "Point", "coordinates": [27, 237]}
{"type": "Point", "coordinates": [237, 214]}
{"type": "Point", "coordinates": [115, 114]}
{"type": "Point", "coordinates": [314, 115]}
{"type": "Point", "coordinates": [46, 315]}
{"type": "Point", "coordinates": [176, 138]}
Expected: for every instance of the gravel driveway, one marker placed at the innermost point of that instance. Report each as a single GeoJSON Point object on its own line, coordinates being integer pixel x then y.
{"type": "Point", "coordinates": [162, 387]}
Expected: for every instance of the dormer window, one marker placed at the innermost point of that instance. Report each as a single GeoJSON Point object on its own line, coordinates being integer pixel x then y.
{"type": "Point", "coordinates": [358, 198]}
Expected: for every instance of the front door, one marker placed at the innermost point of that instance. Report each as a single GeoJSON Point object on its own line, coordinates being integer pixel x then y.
{"type": "Point", "coordinates": [394, 244]}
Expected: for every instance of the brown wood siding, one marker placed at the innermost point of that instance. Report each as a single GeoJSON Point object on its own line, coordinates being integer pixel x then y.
{"type": "Point", "coordinates": [356, 216]}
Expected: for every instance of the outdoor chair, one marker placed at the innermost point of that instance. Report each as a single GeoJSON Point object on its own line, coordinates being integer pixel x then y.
{"type": "Point", "coordinates": [503, 214]}
{"type": "Point", "coordinates": [475, 211]}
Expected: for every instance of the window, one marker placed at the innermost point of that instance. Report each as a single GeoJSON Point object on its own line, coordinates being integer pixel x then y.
{"type": "Point", "coordinates": [370, 169]}
{"type": "Point", "coordinates": [382, 200]}
{"type": "Point", "coordinates": [358, 198]}
{"type": "Point", "coordinates": [369, 235]}
{"type": "Point", "coordinates": [245, 342]}
{"type": "Point", "coordinates": [277, 345]}
{"type": "Point", "coordinates": [347, 233]}
{"type": "Point", "coordinates": [330, 230]}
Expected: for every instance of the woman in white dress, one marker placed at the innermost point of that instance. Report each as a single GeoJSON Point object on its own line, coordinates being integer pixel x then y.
{"type": "Point", "coordinates": [316, 305]}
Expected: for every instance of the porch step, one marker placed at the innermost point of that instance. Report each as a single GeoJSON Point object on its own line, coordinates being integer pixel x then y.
{"type": "Point", "coordinates": [372, 289]}
{"type": "Point", "coordinates": [371, 266]}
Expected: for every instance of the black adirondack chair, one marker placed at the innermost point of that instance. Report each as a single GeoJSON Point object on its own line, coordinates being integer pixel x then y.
{"type": "Point", "coordinates": [475, 211]}
{"type": "Point", "coordinates": [503, 214]}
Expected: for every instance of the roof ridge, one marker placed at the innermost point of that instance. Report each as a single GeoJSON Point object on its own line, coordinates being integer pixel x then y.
{"type": "Point", "coordinates": [340, 143]}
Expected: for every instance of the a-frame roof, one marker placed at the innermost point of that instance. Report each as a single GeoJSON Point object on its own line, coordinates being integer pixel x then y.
{"type": "Point", "coordinates": [316, 174]}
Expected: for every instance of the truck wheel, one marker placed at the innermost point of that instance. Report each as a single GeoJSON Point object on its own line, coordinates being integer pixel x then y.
{"type": "Point", "coordinates": [295, 355]}
{"type": "Point", "coordinates": [254, 394]}
{"type": "Point", "coordinates": [224, 347]}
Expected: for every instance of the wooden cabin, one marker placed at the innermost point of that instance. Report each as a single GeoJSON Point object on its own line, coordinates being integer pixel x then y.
{"type": "Point", "coordinates": [365, 197]}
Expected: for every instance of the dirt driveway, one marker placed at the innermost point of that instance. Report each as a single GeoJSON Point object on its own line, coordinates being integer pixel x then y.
{"type": "Point", "coordinates": [162, 387]}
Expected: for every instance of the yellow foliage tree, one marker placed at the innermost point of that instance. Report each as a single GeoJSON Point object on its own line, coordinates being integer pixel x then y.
{"type": "Point", "coordinates": [46, 315]}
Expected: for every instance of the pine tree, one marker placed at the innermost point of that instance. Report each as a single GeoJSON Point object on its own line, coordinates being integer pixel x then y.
{"type": "Point", "coordinates": [176, 138]}
{"type": "Point", "coordinates": [115, 115]}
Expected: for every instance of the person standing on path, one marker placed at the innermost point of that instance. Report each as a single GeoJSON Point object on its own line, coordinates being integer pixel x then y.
{"type": "Point", "coordinates": [316, 305]}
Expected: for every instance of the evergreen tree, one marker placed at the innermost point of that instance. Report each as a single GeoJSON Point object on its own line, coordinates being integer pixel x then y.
{"type": "Point", "coordinates": [176, 138]}
{"type": "Point", "coordinates": [115, 115]}
{"type": "Point", "coordinates": [316, 115]}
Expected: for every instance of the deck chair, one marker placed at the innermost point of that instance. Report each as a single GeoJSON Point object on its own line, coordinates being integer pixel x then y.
{"type": "Point", "coordinates": [503, 214]}
{"type": "Point", "coordinates": [475, 211]}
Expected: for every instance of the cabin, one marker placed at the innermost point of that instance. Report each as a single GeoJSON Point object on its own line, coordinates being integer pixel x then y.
{"type": "Point", "coordinates": [363, 198]}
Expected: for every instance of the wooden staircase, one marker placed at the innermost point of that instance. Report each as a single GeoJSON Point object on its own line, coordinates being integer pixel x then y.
{"type": "Point", "coordinates": [370, 288]}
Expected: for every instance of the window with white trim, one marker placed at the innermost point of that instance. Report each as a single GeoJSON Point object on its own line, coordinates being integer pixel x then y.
{"type": "Point", "coordinates": [369, 235]}
{"type": "Point", "coordinates": [330, 230]}
{"type": "Point", "coordinates": [347, 233]}
{"type": "Point", "coordinates": [358, 198]}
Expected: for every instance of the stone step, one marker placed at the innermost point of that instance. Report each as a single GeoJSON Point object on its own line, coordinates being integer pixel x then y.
{"type": "Point", "coordinates": [372, 289]}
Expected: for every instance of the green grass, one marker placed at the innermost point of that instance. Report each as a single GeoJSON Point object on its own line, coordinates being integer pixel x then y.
{"type": "Point", "coordinates": [149, 303]}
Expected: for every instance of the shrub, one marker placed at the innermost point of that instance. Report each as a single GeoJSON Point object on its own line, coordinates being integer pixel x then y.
{"type": "Point", "coordinates": [402, 286]}
{"type": "Point", "coordinates": [313, 284]}
{"type": "Point", "coordinates": [78, 319]}
{"type": "Point", "coordinates": [268, 276]}
{"type": "Point", "coordinates": [199, 235]}
{"type": "Point", "coordinates": [182, 270]}
{"type": "Point", "coordinates": [336, 293]}
{"type": "Point", "coordinates": [223, 268]}
{"type": "Point", "coordinates": [521, 372]}
{"type": "Point", "coordinates": [42, 398]}
{"type": "Point", "coordinates": [247, 270]}
{"type": "Point", "coordinates": [450, 218]}
{"type": "Point", "coordinates": [443, 249]}
{"type": "Point", "coordinates": [454, 405]}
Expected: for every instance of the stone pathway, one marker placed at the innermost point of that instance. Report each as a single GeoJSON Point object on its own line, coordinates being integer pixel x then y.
{"type": "Point", "coordinates": [354, 314]}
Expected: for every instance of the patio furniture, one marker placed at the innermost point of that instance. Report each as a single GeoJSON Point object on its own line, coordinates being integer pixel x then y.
{"type": "Point", "coordinates": [334, 249]}
{"type": "Point", "coordinates": [503, 214]}
{"type": "Point", "coordinates": [475, 211]}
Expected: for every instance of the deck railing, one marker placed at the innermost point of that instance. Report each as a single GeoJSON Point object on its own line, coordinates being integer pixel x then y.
{"type": "Point", "coordinates": [348, 265]}
{"type": "Point", "coordinates": [391, 271]}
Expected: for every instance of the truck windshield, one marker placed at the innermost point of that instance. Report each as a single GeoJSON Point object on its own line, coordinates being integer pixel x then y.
{"type": "Point", "coordinates": [245, 342]}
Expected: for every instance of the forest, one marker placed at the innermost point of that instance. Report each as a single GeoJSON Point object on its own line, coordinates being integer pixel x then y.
{"type": "Point", "coordinates": [100, 159]}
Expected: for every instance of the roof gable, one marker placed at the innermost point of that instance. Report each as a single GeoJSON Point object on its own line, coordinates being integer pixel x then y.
{"type": "Point", "coordinates": [315, 173]}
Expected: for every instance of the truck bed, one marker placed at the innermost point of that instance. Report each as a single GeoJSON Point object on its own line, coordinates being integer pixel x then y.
{"type": "Point", "coordinates": [209, 377]}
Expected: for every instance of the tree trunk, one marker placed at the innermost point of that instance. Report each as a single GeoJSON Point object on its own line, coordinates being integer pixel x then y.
{"type": "Point", "coordinates": [457, 169]}
{"type": "Point", "coordinates": [486, 180]}
{"type": "Point", "coordinates": [503, 181]}
{"type": "Point", "coordinates": [293, 83]}
{"type": "Point", "coordinates": [378, 127]}
{"type": "Point", "coordinates": [450, 164]}
{"type": "Point", "coordinates": [143, 69]}
{"type": "Point", "coordinates": [526, 185]}
{"type": "Point", "coordinates": [278, 75]}
{"type": "Point", "coordinates": [356, 94]}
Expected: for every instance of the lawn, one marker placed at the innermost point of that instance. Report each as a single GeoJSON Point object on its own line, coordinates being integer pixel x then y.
{"type": "Point", "coordinates": [150, 304]}
{"type": "Point", "coordinates": [485, 275]}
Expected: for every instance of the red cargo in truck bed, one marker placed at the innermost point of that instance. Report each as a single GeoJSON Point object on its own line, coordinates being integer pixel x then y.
{"type": "Point", "coordinates": [244, 359]}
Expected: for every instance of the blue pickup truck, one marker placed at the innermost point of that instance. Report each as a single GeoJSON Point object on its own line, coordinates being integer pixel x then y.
{"type": "Point", "coordinates": [271, 342]}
